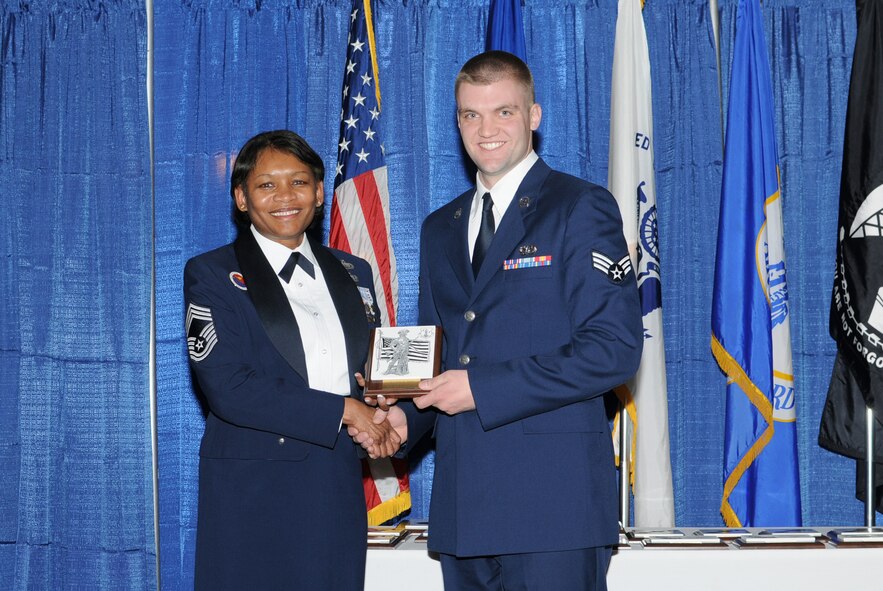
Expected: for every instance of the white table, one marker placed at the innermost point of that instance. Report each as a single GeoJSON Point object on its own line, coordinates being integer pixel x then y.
{"type": "Point", "coordinates": [410, 568]}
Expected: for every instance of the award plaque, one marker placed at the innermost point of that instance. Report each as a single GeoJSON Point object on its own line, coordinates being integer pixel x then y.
{"type": "Point", "coordinates": [399, 357]}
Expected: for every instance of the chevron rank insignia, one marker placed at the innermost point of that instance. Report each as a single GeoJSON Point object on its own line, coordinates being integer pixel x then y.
{"type": "Point", "coordinates": [615, 271]}
{"type": "Point", "coordinates": [201, 337]}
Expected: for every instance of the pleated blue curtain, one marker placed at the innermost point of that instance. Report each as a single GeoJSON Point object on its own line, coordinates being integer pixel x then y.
{"type": "Point", "coordinates": [226, 71]}
{"type": "Point", "coordinates": [76, 482]}
{"type": "Point", "coordinates": [75, 474]}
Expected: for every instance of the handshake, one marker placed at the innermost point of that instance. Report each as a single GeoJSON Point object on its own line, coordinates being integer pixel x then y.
{"type": "Point", "coordinates": [381, 430]}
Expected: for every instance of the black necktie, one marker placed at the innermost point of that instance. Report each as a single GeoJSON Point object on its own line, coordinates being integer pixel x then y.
{"type": "Point", "coordinates": [293, 261]}
{"type": "Point", "coordinates": [485, 233]}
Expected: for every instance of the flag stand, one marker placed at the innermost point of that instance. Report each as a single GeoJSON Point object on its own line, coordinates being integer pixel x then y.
{"type": "Point", "coordinates": [870, 501]}
{"type": "Point", "coordinates": [624, 456]}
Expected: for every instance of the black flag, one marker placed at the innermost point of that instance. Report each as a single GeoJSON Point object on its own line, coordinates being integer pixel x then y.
{"type": "Point", "coordinates": [857, 300]}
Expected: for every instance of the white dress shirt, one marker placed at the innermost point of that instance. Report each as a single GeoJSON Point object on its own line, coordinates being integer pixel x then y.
{"type": "Point", "coordinates": [320, 331]}
{"type": "Point", "coordinates": [502, 195]}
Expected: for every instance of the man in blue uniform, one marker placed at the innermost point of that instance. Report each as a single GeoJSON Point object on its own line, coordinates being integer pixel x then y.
{"type": "Point", "coordinates": [529, 277]}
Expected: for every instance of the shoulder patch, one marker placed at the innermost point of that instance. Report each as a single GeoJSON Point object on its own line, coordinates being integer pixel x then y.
{"type": "Point", "coordinates": [616, 271]}
{"type": "Point", "coordinates": [201, 336]}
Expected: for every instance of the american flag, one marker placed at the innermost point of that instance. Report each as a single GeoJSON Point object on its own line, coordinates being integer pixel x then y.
{"type": "Point", "coordinates": [360, 224]}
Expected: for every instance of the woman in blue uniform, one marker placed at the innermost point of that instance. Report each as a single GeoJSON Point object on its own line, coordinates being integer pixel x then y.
{"type": "Point", "coordinates": [277, 327]}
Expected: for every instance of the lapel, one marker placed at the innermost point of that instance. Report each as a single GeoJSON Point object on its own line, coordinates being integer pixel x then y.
{"type": "Point", "coordinates": [270, 301]}
{"type": "Point", "coordinates": [511, 229]}
{"type": "Point", "coordinates": [457, 244]}
{"type": "Point", "coordinates": [350, 308]}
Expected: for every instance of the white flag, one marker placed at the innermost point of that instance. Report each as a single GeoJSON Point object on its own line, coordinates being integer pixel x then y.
{"type": "Point", "coordinates": [631, 180]}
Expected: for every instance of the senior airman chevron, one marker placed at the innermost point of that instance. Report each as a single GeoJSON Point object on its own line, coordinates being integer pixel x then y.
{"type": "Point", "coordinates": [615, 271]}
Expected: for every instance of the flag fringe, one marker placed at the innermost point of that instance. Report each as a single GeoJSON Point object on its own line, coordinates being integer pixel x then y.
{"type": "Point", "coordinates": [369, 24]}
{"type": "Point", "coordinates": [735, 372]}
{"type": "Point", "coordinates": [628, 402]}
{"type": "Point", "coordinates": [390, 508]}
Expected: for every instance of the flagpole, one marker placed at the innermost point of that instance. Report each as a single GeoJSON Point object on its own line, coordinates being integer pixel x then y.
{"type": "Point", "coordinates": [624, 467]}
{"type": "Point", "coordinates": [151, 348]}
{"type": "Point", "coordinates": [870, 501]}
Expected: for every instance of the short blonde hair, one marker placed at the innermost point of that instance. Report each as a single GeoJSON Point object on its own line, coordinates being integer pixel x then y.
{"type": "Point", "coordinates": [493, 66]}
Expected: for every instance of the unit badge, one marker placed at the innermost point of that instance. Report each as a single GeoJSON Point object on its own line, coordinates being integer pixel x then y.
{"type": "Point", "coordinates": [615, 271]}
{"type": "Point", "coordinates": [238, 280]}
{"type": "Point", "coordinates": [201, 336]}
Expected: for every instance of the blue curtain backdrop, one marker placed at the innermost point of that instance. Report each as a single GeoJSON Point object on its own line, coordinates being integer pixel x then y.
{"type": "Point", "coordinates": [226, 71]}
{"type": "Point", "coordinates": [75, 481]}
{"type": "Point", "coordinates": [76, 484]}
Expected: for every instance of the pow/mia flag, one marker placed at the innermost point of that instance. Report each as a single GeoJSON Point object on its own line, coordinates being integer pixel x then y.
{"type": "Point", "coordinates": [856, 321]}
{"type": "Point", "coordinates": [201, 337]}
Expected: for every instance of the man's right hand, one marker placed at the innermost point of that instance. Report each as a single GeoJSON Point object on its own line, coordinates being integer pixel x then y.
{"type": "Point", "coordinates": [379, 438]}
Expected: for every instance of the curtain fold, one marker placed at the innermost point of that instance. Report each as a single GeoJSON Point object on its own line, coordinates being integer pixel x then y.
{"type": "Point", "coordinates": [76, 483]}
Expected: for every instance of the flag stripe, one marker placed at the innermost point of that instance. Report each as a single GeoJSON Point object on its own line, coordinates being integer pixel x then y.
{"type": "Point", "coordinates": [361, 220]}
{"type": "Point", "coordinates": [376, 212]}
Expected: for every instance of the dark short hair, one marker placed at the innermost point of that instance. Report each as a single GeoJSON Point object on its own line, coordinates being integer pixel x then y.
{"type": "Point", "coordinates": [493, 66]}
{"type": "Point", "coordinates": [281, 140]}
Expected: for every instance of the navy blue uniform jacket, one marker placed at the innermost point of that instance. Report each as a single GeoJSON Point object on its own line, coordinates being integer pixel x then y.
{"type": "Point", "coordinates": [281, 504]}
{"type": "Point", "coordinates": [531, 469]}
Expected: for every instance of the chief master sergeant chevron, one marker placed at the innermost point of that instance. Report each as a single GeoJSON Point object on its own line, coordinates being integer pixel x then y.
{"type": "Point", "coordinates": [539, 307]}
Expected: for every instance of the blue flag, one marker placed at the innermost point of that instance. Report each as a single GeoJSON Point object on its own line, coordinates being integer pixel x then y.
{"type": "Point", "coordinates": [505, 30]}
{"type": "Point", "coordinates": [751, 338]}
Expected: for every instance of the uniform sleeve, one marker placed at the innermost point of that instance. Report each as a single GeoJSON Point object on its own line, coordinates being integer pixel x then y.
{"type": "Point", "coordinates": [241, 383]}
{"type": "Point", "coordinates": [601, 300]}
